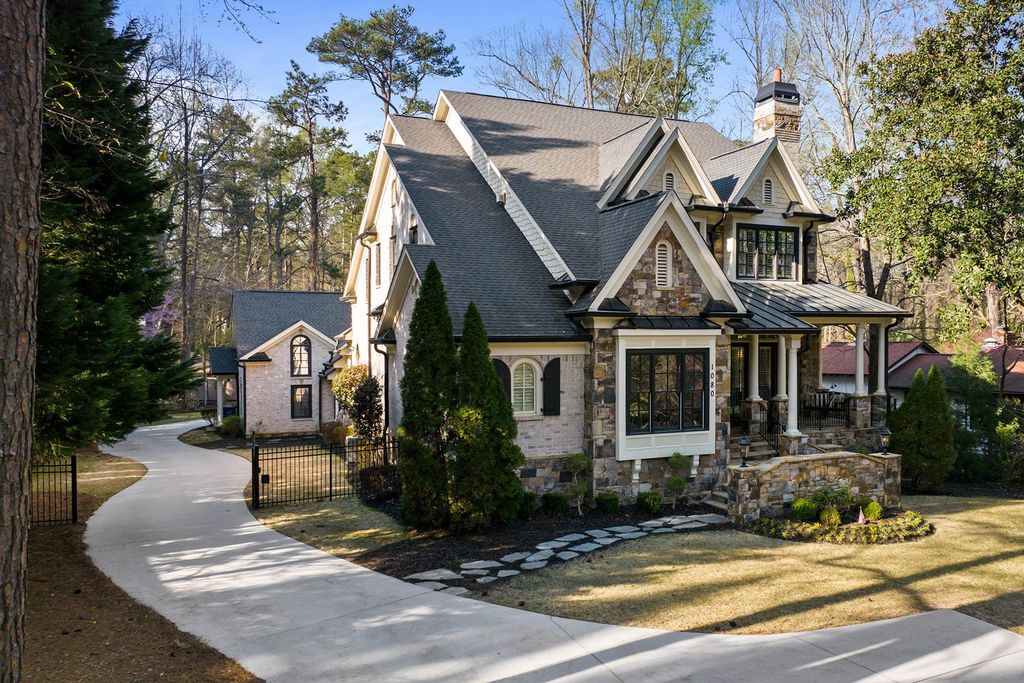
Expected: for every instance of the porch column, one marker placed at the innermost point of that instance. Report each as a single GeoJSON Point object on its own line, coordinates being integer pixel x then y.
{"type": "Point", "coordinates": [753, 380]}
{"type": "Point", "coordinates": [821, 380]}
{"type": "Point", "coordinates": [220, 400]}
{"type": "Point", "coordinates": [882, 366]}
{"type": "Point", "coordinates": [792, 409]}
{"type": "Point", "coordinates": [859, 363]}
{"type": "Point", "coordinates": [780, 368]}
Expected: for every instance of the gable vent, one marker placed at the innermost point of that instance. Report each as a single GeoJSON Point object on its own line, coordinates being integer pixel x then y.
{"type": "Point", "coordinates": [766, 192]}
{"type": "Point", "coordinates": [663, 265]}
{"type": "Point", "coordinates": [670, 181]}
{"type": "Point", "coordinates": [501, 197]}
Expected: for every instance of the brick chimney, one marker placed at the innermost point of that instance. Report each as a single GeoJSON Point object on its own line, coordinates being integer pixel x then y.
{"type": "Point", "coordinates": [777, 111]}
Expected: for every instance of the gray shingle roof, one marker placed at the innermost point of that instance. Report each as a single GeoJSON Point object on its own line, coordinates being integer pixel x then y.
{"type": "Point", "coordinates": [223, 360]}
{"type": "Point", "coordinates": [729, 171]}
{"type": "Point", "coordinates": [482, 255]}
{"type": "Point", "coordinates": [258, 315]}
{"type": "Point", "coordinates": [774, 305]}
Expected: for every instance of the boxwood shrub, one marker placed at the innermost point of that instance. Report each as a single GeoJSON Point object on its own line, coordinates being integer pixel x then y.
{"type": "Point", "coordinates": [830, 517]}
{"type": "Point", "coordinates": [906, 526]}
{"type": "Point", "coordinates": [555, 503]}
{"type": "Point", "coordinates": [872, 511]}
{"type": "Point", "coordinates": [649, 502]}
{"type": "Point", "coordinates": [607, 502]}
{"type": "Point", "coordinates": [804, 510]}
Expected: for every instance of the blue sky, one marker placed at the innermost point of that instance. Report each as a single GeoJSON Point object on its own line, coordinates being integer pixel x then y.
{"type": "Point", "coordinates": [295, 21]}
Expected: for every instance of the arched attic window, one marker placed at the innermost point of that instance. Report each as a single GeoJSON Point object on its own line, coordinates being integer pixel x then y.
{"type": "Point", "coordinates": [663, 265]}
{"type": "Point", "coordinates": [669, 181]}
{"type": "Point", "coordinates": [766, 192]}
{"type": "Point", "coordinates": [300, 356]}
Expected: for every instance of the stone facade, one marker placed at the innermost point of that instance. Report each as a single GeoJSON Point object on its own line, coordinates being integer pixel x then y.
{"type": "Point", "coordinates": [268, 389]}
{"type": "Point", "coordinates": [766, 488]}
{"type": "Point", "coordinates": [687, 295]}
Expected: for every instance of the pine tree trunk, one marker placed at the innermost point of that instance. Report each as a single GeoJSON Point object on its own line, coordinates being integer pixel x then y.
{"type": "Point", "coordinates": [21, 88]}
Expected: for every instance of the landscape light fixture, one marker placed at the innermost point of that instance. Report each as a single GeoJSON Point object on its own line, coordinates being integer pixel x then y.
{"type": "Point", "coordinates": [744, 450]}
{"type": "Point", "coordinates": [884, 433]}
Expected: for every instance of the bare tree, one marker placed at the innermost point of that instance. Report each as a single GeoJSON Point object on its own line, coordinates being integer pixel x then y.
{"type": "Point", "coordinates": [22, 55]}
{"type": "Point", "coordinates": [532, 64]}
{"type": "Point", "coordinates": [582, 16]}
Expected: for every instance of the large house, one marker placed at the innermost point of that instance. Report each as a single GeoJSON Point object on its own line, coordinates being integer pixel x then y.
{"type": "Point", "coordinates": [839, 362]}
{"type": "Point", "coordinates": [275, 375]}
{"type": "Point", "coordinates": [648, 285]}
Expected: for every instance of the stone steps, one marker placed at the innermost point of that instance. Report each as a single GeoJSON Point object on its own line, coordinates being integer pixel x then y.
{"type": "Point", "coordinates": [717, 499]}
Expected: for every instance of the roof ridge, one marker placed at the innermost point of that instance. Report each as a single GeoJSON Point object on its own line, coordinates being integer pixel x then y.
{"type": "Point", "coordinates": [627, 132]}
{"type": "Point", "coordinates": [556, 104]}
{"type": "Point", "coordinates": [738, 149]}
{"type": "Point", "coordinates": [631, 202]}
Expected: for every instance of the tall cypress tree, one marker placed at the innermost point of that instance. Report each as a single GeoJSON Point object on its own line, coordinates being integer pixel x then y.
{"type": "Point", "coordinates": [101, 270]}
{"type": "Point", "coordinates": [922, 432]}
{"type": "Point", "coordinates": [428, 399]}
{"type": "Point", "coordinates": [484, 485]}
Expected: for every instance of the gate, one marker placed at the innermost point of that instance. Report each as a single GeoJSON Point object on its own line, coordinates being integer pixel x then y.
{"type": "Point", "coordinates": [286, 475]}
{"type": "Point", "coordinates": [55, 491]}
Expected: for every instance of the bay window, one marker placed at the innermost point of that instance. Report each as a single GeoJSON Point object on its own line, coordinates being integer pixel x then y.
{"type": "Point", "coordinates": [667, 391]}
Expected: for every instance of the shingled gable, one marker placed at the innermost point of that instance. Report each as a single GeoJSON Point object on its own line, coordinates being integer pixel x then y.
{"type": "Point", "coordinates": [259, 315]}
{"type": "Point", "coordinates": [772, 153]}
{"type": "Point", "coordinates": [670, 210]}
{"type": "Point", "coordinates": [674, 140]}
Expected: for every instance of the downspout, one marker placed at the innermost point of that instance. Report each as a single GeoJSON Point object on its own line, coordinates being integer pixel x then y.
{"type": "Point", "coordinates": [387, 382]}
{"type": "Point", "coordinates": [369, 304]}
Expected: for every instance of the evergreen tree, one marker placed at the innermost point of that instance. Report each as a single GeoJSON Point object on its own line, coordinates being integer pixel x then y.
{"type": "Point", "coordinates": [428, 399]}
{"type": "Point", "coordinates": [100, 272]}
{"type": "Point", "coordinates": [922, 430]}
{"type": "Point", "coordinates": [485, 487]}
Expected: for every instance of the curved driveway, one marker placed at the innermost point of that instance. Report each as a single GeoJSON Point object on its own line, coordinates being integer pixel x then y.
{"type": "Point", "coordinates": [182, 541]}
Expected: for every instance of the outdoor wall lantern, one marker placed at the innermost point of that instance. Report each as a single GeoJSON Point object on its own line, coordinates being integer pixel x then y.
{"type": "Point", "coordinates": [744, 450]}
{"type": "Point", "coordinates": [884, 433]}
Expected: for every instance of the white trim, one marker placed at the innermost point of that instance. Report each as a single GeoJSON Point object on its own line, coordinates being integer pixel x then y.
{"type": "Point", "coordinates": [576, 348]}
{"type": "Point", "coordinates": [291, 331]}
{"type": "Point", "coordinates": [665, 180]}
{"type": "Point", "coordinates": [404, 275]}
{"type": "Point", "coordinates": [674, 138]}
{"type": "Point", "coordinates": [621, 178]}
{"type": "Point", "coordinates": [692, 245]}
{"type": "Point", "coordinates": [662, 445]}
{"type": "Point", "coordinates": [663, 277]}
{"type": "Point", "coordinates": [791, 178]}
{"type": "Point", "coordinates": [535, 367]}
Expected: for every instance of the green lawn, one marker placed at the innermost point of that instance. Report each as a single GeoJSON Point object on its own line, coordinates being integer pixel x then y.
{"type": "Point", "coordinates": [734, 581]}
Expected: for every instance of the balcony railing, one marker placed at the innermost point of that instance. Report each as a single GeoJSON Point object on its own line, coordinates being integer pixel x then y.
{"type": "Point", "coordinates": [825, 409]}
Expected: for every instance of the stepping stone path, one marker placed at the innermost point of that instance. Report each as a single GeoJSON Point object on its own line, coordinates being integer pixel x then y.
{"type": "Point", "coordinates": [563, 548]}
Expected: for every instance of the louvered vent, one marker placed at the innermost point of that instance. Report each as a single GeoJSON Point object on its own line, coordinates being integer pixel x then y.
{"type": "Point", "coordinates": [663, 265]}
{"type": "Point", "coordinates": [670, 181]}
{"type": "Point", "coordinates": [766, 192]}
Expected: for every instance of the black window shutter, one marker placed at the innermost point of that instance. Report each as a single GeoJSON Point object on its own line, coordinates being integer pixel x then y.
{"type": "Point", "coordinates": [504, 376]}
{"type": "Point", "coordinates": [552, 387]}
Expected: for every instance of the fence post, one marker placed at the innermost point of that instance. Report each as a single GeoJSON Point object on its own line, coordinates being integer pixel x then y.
{"type": "Point", "coordinates": [330, 471]}
{"type": "Point", "coordinates": [74, 488]}
{"type": "Point", "coordinates": [255, 477]}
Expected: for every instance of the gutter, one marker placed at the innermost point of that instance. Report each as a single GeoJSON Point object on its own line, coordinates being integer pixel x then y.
{"type": "Point", "coordinates": [387, 384]}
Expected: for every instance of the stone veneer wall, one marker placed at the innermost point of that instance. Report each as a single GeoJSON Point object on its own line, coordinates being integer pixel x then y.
{"type": "Point", "coordinates": [764, 489]}
{"type": "Point", "coordinates": [687, 296]}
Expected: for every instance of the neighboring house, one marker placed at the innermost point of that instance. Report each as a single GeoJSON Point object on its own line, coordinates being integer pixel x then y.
{"type": "Point", "coordinates": [278, 368]}
{"type": "Point", "coordinates": [648, 286]}
{"type": "Point", "coordinates": [838, 362]}
{"type": "Point", "coordinates": [1008, 362]}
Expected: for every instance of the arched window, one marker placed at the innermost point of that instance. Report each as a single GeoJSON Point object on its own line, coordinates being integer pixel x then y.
{"type": "Point", "coordinates": [663, 265]}
{"type": "Point", "coordinates": [669, 181]}
{"type": "Point", "coordinates": [766, 192]}
{"type": "Point", "coordinates": [300, 356]}
{"type": "Point", "coordinates": [524, 388]}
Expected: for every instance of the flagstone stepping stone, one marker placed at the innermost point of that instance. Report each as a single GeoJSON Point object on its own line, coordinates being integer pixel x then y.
{"type": "Point", "coordinates": [598, 533]}
{"type": "Point", "coordinates": [432, 585]}
{"type": "Point", "coordinates": [622, 529]}
{"type": "Point", "coordinates": [607, 541]}
{"type": "Point", "coordinates": [533, 565]}
{"type": "Point", "coordinates": [710, 519]}
{"type": "Point", "coordinates": [550, 545]}
{"type": "Point", "coordinates": [486, 579]}
{"type": "Point", "coordinates": [689, 525]}
{"type": "Point", "coordinates": [584, 547]}
{"type": "Point", "coordinates": [651, 522]}
{"type": "Point", "coordinates": [515, 557]}
{"type": "Point", "coordinates": [475, 572]}
{"type": "Point", "coordinates": [434, 575]}
{"type": "Point", "coordinates": [505, 573]}
{"type": "Point", "coordinates": [542, 555]}
{"type": "Point", "coordinates": [631, 536]}
{"type": "Point", "coordinates": [571, 537]}
{"type": "Point", "coordinates": [455, 590]}
{"type": "Point", "coordinates": [674, 519]}
{"type": "Point", "coordinates": [480, 564]}
{"type": "Point", "coordinates": [664, 530]}
{"type": "Point", "coordinates": [566, 555]}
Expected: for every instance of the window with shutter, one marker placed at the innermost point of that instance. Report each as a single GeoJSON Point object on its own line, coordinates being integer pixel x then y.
{"type": "Point", "coordinates": [504, 375]}
{"type": "Point", "coordinates": [552, 380]}
{"type": "Point", "coordinates": [524, 388]}
{"type": "Point", "coordinates": [663, 265]}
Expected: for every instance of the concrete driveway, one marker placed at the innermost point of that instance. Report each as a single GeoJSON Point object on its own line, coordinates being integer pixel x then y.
{"type": "Point", "coordinates": [182, 541]}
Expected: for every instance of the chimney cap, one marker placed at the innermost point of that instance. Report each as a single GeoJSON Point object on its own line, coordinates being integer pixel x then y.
{"type": "Point", "coordinates": [780, 91]}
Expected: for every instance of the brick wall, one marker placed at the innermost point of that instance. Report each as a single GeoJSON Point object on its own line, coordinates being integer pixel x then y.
{"type": "Point", "coordinates": [268, 392]}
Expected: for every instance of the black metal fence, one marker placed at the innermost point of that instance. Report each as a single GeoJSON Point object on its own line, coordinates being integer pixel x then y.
{"type": "Point", "coordinates": [284, 475]}
{"type": "Point", "coordinates": [771, 428]}
{"type": "Point", "coordinates": [55, 491]}
{"type": "Point", "coordinates": [825, 409]}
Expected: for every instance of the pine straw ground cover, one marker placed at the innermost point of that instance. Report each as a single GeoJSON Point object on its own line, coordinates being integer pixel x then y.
{"type": "Point", "coordinates": [733, 581]}
{"type": "Point", "coordinates": [81, 627]}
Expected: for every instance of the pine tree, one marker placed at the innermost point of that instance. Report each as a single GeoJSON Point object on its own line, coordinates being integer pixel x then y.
{"type": "Point", "coordinates": [428, 400]}
{"type": "Point", "coordinates": [101, 271]}
{"type": "Point", "coordinates": [923, 432]}
{"type": "Point", "coordinates": [485, 488]}
{"type": "Point", "coordinates": [905, 423]}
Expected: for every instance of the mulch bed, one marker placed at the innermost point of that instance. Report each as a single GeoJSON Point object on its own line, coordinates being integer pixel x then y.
{"type": "Point", "coordinates": [426, 550]}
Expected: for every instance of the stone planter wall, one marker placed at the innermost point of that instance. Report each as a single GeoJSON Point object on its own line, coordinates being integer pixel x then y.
{"type": "Point", "coordinates": [766, 488]}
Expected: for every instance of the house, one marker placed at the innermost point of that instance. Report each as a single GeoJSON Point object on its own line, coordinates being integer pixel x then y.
{"type": "Point", "coordinates": [1008, 361]}
{"type": "Point", "coordinates": [275, 376]}
{"type": "Point", "coordinates": [838, 362]}
{"type": "Point", "coordinates": [649, 287]}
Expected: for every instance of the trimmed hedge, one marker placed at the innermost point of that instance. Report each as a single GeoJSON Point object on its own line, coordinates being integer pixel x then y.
{"type": "Point", "coordinates": [607, 502]}
{"type": "Point", "coordinates": [906, 526]}
{"type": "Point", "coordinates": [804, 510]}
{"type": "Point", "coordinates": [555, 503]}
{"type": "Point", "coordinates": [649, 502]}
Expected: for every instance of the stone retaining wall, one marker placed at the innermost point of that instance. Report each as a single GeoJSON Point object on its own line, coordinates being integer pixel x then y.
{"type": "Point", "coordinates": [766, 488]}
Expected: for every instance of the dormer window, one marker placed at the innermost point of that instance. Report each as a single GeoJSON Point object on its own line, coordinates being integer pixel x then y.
{"type": "Point", "coordinates": [300, 356]}
{"type": "Point", "coordinates": [766, 192]}
{"type": "Point", "coordinates": [766, 253]}
{"type": "Point", "coordinates": [669, 181]}
{"type": "Point", "coordinates": [663, 265]}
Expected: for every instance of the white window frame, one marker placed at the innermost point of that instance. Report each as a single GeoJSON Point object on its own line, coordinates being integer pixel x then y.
{"type": "Point", "coordinates": [668, 181]}
{"type": "Point", "coordinates": [666, 282]}
{"type": "Point", "coordinates": [767, 192]}
{"type": "Point", "coordinates": [526, 362]}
